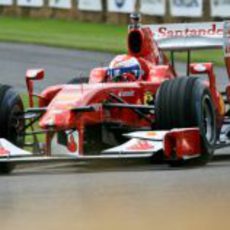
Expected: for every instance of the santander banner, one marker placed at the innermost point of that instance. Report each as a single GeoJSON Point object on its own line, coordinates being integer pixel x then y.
{"type": "Point", "coordinates": [207, 29]}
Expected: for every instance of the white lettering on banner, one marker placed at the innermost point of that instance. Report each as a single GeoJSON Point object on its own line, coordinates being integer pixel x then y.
{"type": "Point", "coordinates": [30, 3]}
{"type": "Point", "coordinates": [186, 8]}
{"type": "Point", "coordinates": [153, 7]}
{"type": "Point", "coordinates": [62, 4]}
{"type": "Point", "coordinates": [220, 8]}
{"type": "Point", "coordinates": [90, 5]}
{"type": "Point", "coordinates": [6, 2]}
{"type": "Point", "coordinates": [212, 29]}
{"type": "Point", "coordinates": [163, 32]}
{"type": "Point", "coordinates": [121, 6]}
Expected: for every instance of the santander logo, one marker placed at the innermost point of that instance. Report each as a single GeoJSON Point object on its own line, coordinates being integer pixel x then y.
{"type": "Point", "coordinates": [209, 30]}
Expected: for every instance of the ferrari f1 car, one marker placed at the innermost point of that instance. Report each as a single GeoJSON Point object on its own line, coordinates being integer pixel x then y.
{"type": "Point", "coordinates": [136, 107]}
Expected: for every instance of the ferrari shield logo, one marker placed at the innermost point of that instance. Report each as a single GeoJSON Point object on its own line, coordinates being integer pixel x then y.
{"type": "Point", "coordinates": [148, 98]}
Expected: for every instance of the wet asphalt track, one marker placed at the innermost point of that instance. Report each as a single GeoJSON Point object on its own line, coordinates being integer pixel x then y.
{"type": "Point", "coordinates": [66, 196]}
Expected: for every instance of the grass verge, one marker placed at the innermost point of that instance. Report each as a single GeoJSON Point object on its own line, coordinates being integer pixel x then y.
{"type": "Point", "coordinates": [80, 35]}
{"type": "Point", "coordinates": [63, 33]}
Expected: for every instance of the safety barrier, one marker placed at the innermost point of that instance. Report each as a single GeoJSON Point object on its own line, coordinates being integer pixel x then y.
{"type": "Point", "coordinates": [117, 11]}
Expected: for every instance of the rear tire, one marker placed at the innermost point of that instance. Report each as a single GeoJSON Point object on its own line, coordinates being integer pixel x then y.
{"type": "Point", "coordinates": [183, 103]}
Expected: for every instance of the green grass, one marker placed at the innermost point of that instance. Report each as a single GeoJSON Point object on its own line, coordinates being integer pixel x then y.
{"type": "Point", "coordinates": [79, 35]}
{"type": "Point", "coordinates": [215, 56]}
{"type": "Point", "coordinates": [63, 33]}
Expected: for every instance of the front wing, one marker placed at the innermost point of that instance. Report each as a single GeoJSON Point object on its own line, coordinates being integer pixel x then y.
{"type": "Point", "coordinates": [185, 143]}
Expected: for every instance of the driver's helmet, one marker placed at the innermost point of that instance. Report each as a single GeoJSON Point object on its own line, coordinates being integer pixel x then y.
{"type": "Point", "coordinates": [123, 66]}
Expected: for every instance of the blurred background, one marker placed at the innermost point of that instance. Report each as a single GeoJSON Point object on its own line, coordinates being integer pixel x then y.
{"type": "Point", "coordinates": [116, 11]}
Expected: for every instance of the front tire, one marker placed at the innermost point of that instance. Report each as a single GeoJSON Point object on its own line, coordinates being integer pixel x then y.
{"type": "Point", "coordinates": [11, 124]}
{"type": "Point", "coordinates": [183, 103]}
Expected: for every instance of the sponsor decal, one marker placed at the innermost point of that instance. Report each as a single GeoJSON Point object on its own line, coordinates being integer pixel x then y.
{"type": "Point", "coordinates": [142, 145]}
{"type": "Point", "coordinates": [186, 8]}
{"type": "Point", "coordinates": [126, 94]}
{"type": "Point", "coordinates": [72, 141]}
{"type": "Point", "coordinates": [121, 6]}
{"type": "Point", "coordinates": [65, 4]}
{"type": "Point", "coordinates": [220, 8]}
{"type": "Point", "coordinates": [186, 3]}
{"type": "Point", "coordinates": [6, 2]}
{"type": "Point", "coordinates": [153, 7]}
{"type": "Point", "coordinates": [148, 98]}
{"type": "Point", "coordinates": [212, 30]}
{"type": "Point", "coordinates": [30, 3]}
{"type": "Point", "coordinates": [120, 3]}
{"type": "Point", "coordinates": [3, 151]}
{"type": "Point", "coordinates": [90, 5]}
{"type": "Point", "coordinates": [151, 134]}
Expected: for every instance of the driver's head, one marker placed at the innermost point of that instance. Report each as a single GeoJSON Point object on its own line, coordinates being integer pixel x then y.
{"type": "Point", "coordinates": [124, 67]}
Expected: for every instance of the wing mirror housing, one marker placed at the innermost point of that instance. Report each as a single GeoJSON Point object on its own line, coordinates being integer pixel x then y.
{"type": "Point", "coordinates": [204, 68]}
{"type": "Point", "coordinates": [35, 74]}
{"type": "Point", "coordinates": [201, 68]}
{"type": "Point", "coordinates": [31, 76]}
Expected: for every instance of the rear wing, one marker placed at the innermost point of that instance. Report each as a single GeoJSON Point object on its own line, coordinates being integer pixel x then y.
{"type": "Point", "coordinates": [190, 36]}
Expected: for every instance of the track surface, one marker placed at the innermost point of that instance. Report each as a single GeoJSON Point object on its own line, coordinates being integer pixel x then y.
{"type": "Point", "coordinates": [66, 196]}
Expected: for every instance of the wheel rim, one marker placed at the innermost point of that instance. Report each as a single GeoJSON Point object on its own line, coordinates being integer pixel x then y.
{"type": "Point", "coordinates": [16, 126]}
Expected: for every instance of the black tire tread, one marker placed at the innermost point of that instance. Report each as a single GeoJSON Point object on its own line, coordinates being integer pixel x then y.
{"type": "Point", "coordinates": [175, 108]}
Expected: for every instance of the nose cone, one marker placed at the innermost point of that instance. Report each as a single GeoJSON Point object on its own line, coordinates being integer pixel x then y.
{"type": "Point", "coordinates": [59, 114]}
{"type": "Point", "coordinates": [57, 119]}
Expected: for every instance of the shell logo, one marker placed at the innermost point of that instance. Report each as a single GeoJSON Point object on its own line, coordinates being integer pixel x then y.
{"type": "Point", "coordinates": [151, 134]}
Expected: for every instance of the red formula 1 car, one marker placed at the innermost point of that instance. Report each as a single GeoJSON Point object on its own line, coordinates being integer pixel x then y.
{"type": "Point", "coordinates": [136, 107]}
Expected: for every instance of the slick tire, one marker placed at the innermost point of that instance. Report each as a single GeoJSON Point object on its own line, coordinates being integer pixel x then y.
{"type": "Point", "coordinates": [186, 102]}
{"type": "Point", "coordinates": [11, 124]}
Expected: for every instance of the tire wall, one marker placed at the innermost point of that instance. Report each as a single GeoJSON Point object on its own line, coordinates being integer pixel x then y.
{"type": "Point", "coordinates": [103, 16]}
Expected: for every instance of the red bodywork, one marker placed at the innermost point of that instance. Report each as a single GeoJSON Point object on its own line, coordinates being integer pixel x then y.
{"type": "Point", "coordinates": [61, 100]}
